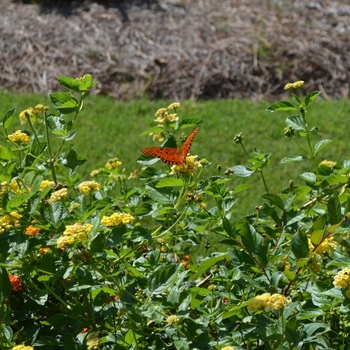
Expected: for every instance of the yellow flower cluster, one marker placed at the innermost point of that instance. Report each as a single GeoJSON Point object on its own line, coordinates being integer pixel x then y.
{"type": "Point", "coordinates": [228, 348]}
{"type": "Point", "coordinates": [117, 219]}
{"type": "Point", "coordinates": [93, 341]}
{"type": "Point", "coordinates": [298, 84]}
{"type": "Point", "coordinates": [342, 278]}
{"type": "Point", "coordinates": [87, 186]}
{"type": "Point", "coordinates": [328, 163]}
{"type": "Point", "coordinates": [94, 172]}
{"type": "Point", "coordinates": [113, 163]}
{"type": "Point", "coordinates": [157, 136]}
{"type": "Point", "coordinates": [33, 112]}
{"type": "Point", "coordinates": [22, 347]}
{"type": "Point", "coordinates": [19, 137]}
{"type": "Point", "coordinates": [174, 105]}
{"type": "Point", "coordinates": [45, 183]}
{"type": "Point", "coordinates": [173, 319]}
{"type": "Point", "coordinates": [268, 302]}
{"type": "Point", "coordinates": [9, 221]}
{"type": "Point", "coordinates": [163, 116]}
{"type": "Point", "coordinates": [326, 246]}
{"type": "Point", "coordinates": [59, 195]}
{"type": "Point", "coordinates": [15, 187]}
{"type": "Point", "coordinates": [74, 232]}
{"type": "Point", "coordinates": [4, 188]}
{"type": "Point", "coordinates": [190, 167]}
{"type": "Point", "coordinates": [135, 174]}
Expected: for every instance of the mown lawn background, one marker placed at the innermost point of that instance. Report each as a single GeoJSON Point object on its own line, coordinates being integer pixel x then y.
{"type": "Point", "coordinates": [108, 128]}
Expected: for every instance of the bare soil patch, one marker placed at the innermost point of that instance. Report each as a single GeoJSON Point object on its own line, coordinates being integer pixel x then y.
{"type": "Point", "coordinates": [178, 49]}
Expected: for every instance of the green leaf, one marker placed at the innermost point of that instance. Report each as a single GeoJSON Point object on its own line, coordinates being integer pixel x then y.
{"type": "Point", "coordinates": [274, 199]}
{"type": "Point", "coordinates": [5, 285]}
{"type": "Point", "coordinates": [54, 213]}
{"type": "Point", "coordinates": [241, 188]}
{"type": "Point", "coordinates": [6, 153]}
{"type": "Point", "coordinates": [292, 159]}
{"type": "Point", "coordinates": [69, 83]}
{"type": "Point", "coordinates": [7, 119]}
{"type": "Point", "coordinates": [153, 130]}
{"type": "Point", "coordinates": [86, 83]}
{"type": "Point", "coordinates": [170, 182]}
{"type": "Point", "coordinates": [281, 106]}
{"type": "Point", "coordinates": [190, 122]}
{"type": "Point", "coordinates": [68, 107]}
{"type": "Point", "coordinates": [17, 201]}
{"type": "Point", "coordinates": [207, 263]}
{"type": "Point", "coordinates": [163, 278]}
{"type": "Point", "coordinates": [150, 173]}
{"type": "Point", "coordinates": [336, 179]}
{"type": "Point", "coordinates": [296, 122]}
{"type": "Point", "coordinates": [131, 337]}
{"type": "Point", "coordinates": [311, 328]}
{"type": "Point", "coordinates": [300, 246]}
{"type": "Point", "coordinates": [316, 236]}
{"type": "Point", "coordinates": [309, 177]}
{"type": "Point", "coordinates": [334, 210]}
{"type": "Point", "coordinates": [320, 222]}
{"type": "Point", "coordinates": [296, 100]}
{"type": "Point", "coordinates": [58, 125]}
{"type": "Point", "coordinates": [37, 147]}
{"type": "Point", "coordinates": [73, 160]}
{"type": "Point", "coordinates": [321, 144]}
{"type": "Point", "coordinates": [310, 97]}
{"type": "Point", "coordinates": [228, 227]}
{"type": "Point", "coordinates": [250, 239]}
{"type": "Point", "coordinates": [144, 209]}
{"type": "Point", "coordinates": [163, 195]}
{"type": "Point", "coordinates": [64, 102]}
{"type": "Point", "coordinates": [310, 314]}
{"type": "Point", "coordinates": [241, 171]}
{"type": "Point", "coordinates": [347, 206]}
{"type": "Point", "coordinates": [227, 203]}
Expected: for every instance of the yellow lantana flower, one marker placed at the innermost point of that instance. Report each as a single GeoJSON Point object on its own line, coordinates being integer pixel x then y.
{"type": "Point", "coordinates": [59, 195]}
{"type": "Point", "coordinates": [298, 84]}
{"type": "Point", "coordinates": [72, 233]}
{"type": "Point", "coordinates": [87, 186]}
{"type": "Point", "coordinates": [190, 167]}
{"type": "Point", "coordinates": [268, 302]}
{"type": "Point", "coordinates": [19, 137]}
{"type": "Point", "coordinates": [117, 219]}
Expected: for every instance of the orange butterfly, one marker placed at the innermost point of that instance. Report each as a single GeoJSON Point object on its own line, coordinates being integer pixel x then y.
{"type": "Point", "coordinates": [172, 155]}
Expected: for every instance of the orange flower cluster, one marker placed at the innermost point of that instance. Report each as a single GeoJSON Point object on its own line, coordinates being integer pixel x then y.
{"type": "Point", "coordinates": [15, 282]}
{"type": "Point", "coordinates": [32, 231]}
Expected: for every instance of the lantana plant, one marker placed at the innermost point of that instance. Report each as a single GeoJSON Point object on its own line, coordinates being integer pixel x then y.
{"type": "Point", "coordinates": [99, 264]}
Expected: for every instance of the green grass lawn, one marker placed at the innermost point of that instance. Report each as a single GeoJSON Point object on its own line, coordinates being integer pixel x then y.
{"type": "Point", "coordinates": [108, 129]}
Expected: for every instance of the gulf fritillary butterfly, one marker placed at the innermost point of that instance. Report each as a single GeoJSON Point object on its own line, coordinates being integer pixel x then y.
{"type": "Point", "coordinates": [172, 155]}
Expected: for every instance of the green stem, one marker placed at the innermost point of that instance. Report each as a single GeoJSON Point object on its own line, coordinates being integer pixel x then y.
{"type": "Point", "coordinates": [298, 144]}
{"type": "Point", "coordinates": [171, 227]}
{"type": "Point", "coordinates": [245, 151]}
{"type": "Point", "coordinates": [263, 178]}
{"type": "Point", "coordinates": [51, 160]}
{"type": "Point", "coordinates": [31, 126]}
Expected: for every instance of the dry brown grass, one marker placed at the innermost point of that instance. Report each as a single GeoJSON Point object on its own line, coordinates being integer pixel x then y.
{"type": "Point", "coordinates": [178, 49]}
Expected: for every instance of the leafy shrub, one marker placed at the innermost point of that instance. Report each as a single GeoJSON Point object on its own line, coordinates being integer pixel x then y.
{"type": "Point", "coordinates": [98, 265]}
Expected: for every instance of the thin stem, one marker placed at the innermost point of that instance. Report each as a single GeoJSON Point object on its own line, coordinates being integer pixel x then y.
{"type": "Point", "coordinates": [51, 160]}
{"type": "Point", "coordinates": [263, 178]}
{"type": "Point", "coordinates": [173, 225]}
{"type": "Point", "coordinates": [245, 151]}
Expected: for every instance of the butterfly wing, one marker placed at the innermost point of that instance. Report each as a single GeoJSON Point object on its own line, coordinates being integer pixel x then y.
{"type": "Point", "coordinates": [166, 154]}
{"type": "Point", "coordinates": [172, 155]}
{"type": "Point", "coordinates": [187, 145]}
